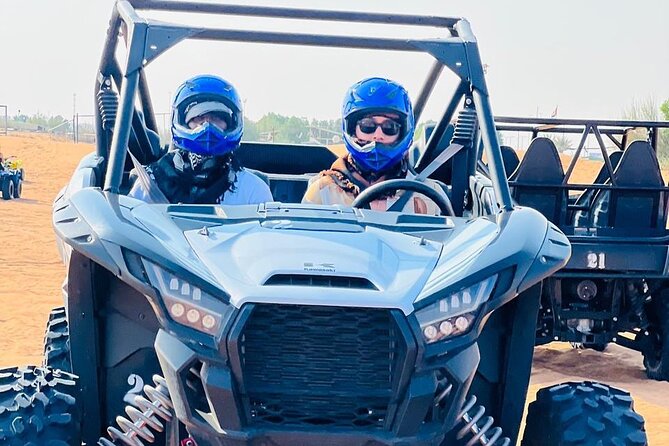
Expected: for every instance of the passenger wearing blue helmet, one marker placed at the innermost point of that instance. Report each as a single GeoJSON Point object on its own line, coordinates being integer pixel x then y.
{"type": "Point", "coordinates": [378, 126]}
{"type": "Point", "coordinates": [200, 167]}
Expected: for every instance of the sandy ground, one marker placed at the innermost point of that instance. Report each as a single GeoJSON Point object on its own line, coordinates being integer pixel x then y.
{"type": "Point", "coordinates": [32, 275]}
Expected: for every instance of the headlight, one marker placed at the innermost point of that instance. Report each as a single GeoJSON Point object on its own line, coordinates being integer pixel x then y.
{"type": "Point", "coordinates": [454, 314]}
{"type": "Point", "coordinates": [187, 304]}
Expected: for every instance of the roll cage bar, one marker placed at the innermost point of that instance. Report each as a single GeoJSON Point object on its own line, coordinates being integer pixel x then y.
{"type": "Point", "coordinates": [146, 39]}
{"type": "Point", "coordinates": [584, 127]}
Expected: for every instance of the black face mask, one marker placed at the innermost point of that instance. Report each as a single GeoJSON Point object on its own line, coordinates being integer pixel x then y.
{"type": "Point", "coordinates": [185, 177]}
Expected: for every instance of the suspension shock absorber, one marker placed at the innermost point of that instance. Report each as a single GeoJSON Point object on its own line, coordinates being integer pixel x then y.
{"type": "Point", "coordinates": [637, 294]}
{"type": "Point", "coordinates": [108, 104]}
{"type": "Point", "coordinates": [477, 429]}
{"type": "Point", "coordinates": [465, 125]}
{"type": "Point", "coordinates": [144, 417]}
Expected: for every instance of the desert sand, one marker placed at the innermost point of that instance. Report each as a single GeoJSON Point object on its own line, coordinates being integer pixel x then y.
{"type": "Point", "coordinates": [32, 275]}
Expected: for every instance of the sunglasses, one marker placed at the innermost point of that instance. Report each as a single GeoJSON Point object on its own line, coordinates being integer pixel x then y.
{"type": "Point", "coordinates": [388, 127]}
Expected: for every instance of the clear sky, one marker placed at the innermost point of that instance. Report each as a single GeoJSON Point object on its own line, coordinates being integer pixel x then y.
{"type": "Point", "coordinates": [588, 58]}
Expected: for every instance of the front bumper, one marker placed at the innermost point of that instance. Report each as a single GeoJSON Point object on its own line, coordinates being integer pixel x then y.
{"type": "Point", "coordinates": [227, 400]}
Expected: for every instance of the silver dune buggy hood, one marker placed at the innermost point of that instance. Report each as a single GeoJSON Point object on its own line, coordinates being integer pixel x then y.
{"type": "Point", "coordinates": [254, 257]}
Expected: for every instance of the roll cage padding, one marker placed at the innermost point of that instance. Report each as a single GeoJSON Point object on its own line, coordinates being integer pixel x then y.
{"type": "Point", "coordinates": [638, 167]}
{"type": "Point", "coordinates": [541, 166]}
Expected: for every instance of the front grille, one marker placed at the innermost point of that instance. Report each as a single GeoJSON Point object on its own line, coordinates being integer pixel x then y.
{"type": "Point", "coordinates": [319, 366]}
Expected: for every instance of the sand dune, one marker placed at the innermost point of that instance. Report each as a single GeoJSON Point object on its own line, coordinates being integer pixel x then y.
{"type": "Point", "coordinates": [32, 275]}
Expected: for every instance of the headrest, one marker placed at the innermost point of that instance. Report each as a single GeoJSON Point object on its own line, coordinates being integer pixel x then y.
{"type": "Point", "coordinates": [638, 166]}
{"type": "Point", "coordinates": [510, 160]}
{"type": "Point", "coordinates": [541, 163]}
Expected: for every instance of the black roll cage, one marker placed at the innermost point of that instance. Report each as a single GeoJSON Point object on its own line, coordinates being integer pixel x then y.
{"type": "Point", "coordinates": [146, 39]}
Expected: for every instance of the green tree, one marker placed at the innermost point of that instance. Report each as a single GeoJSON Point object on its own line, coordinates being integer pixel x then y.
{"type": "Point", "coordinates": [648, 110]}
{"type": "Point", "coordinates": [664, 108]}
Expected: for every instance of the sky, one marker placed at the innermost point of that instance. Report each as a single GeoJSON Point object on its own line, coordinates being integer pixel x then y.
{"type": "Point", "coordinates": [588, 59]}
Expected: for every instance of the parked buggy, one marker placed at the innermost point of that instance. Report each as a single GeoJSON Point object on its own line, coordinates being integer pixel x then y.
{"type": "Point", "coordinates": [615, 287]}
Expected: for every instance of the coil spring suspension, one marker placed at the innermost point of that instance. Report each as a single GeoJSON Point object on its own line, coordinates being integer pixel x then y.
{"type": "Point", "coordinates": [144, 417]}
{"type": "Point", "coordinates": [638, 293]}
{"type": "Point", "coordinates": [465, 126]}
{"type": "Point", "coordinates": [479, 427]}
{"type": "Point", "coordinates": [108, 105]}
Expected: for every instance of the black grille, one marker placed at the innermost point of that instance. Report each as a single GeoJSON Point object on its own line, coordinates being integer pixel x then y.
{"type": "Point", "coordinates": [319, 366]}
{"type": "Point", "coordinates": [321, 281]}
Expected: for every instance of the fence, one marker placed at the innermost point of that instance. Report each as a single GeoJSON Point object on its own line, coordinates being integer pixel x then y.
{"type": "Point", "coordinates": [83, 127]}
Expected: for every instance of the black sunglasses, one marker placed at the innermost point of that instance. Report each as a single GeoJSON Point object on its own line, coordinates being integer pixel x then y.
{"type": "Point", "coordinates": [388, 127]}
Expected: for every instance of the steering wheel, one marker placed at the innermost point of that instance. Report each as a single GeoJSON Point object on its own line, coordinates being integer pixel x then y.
{"type": "Point", "coordinates": [384, 187]}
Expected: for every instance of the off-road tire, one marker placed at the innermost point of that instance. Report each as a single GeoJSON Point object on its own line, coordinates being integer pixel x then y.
{"type": "Point", "coordinates": [7, 187]}
{"type": "Point", "coordinates": [584, 414]}
{"type": "Point", "coordinates": [38, 407]}
{"type": "Point", "coordinates": [57, 341]}
{"type": "Point", "coordinates": [22, 174]}
{"type": "Point", "coordinates": [656, 361]}
{"type": "Point", "coordinates": [18, 186]}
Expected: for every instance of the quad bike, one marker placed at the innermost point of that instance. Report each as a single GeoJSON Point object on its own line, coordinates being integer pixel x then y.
{"type": "Point", "coordinates": [615, 287]}
{"type": "Point", "coordinates": [292, 324]}
{"type": "Point", "coordinates": [16, 164]}
{"type": "Point", "coordinates": [11, 184]}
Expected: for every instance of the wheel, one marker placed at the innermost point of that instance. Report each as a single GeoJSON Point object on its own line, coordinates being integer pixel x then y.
{"type": "Point", "coordinates": [57, 341]}
{"type": "Point", "coordinates": [585, 414]}
{"type": "Point", "coordinates": [38, 407]}
{"type": "Point", "coordinates": [379, 189]}
{"type": "Point", "coordinates": [22, 174]}
{"type": "Point", "coordinates": [7, 187]}
{"type": "Point", "coordinates": [18, 186]}
{"type": "Point", "coordinates": [656, 354]}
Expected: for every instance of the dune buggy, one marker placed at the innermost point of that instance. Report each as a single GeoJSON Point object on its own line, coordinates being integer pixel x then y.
{"type": "Point", "coordinates": [291, 324]}
{"type": "Point", "coordinates": [615, 287]}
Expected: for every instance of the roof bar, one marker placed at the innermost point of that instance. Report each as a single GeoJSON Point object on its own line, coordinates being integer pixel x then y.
{"type": "Point", "coordinates": [581, 122]}
{"type": "Point", "coordinates": [296, 13]}
{"type": "Point", "coordinates": [307, 39]}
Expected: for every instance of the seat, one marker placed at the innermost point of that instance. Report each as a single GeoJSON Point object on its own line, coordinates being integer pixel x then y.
{"type": "Point", "coordinates": [510, 160]}
{"type": "Point", "coordinates": [293, 159]}
{"type": "Point", "coordinates": [290, 166]}
{"type": "Point", "coordinates": [585, 199]}
{"type": "Point", "coordinates": [539, 169]}
{"type": "Point", "coordinates": [645, 209]}
{"type": "Point", "coordinates": [146, 149]}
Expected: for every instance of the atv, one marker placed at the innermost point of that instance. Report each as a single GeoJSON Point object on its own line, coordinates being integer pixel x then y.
{"type": "Point", "coordinates": [292, 324]}
{"type": "Point", "coordinates": [11, 182]}
{"type": "Point", "coordinates": [615, 287]}
{"type": "Point", "coordinates": [15, 163]}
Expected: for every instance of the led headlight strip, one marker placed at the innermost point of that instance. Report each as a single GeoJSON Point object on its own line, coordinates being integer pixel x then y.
{"type": "Point", "coordinates": [454, 314]}
{"type": "Point", "coordinates": [187, 304]}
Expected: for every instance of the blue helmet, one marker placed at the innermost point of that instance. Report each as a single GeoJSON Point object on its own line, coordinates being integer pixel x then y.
{"type": "Point", "coordinates": [207, 94]}
{"type": "Point", "coordinates": [371, 96]}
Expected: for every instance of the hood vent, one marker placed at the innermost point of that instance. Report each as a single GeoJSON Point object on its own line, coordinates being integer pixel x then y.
{"type": "Point", "coordinates": [358, 283]}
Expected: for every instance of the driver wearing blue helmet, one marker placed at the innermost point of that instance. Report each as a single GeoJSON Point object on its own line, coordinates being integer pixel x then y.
{"type": "Point", "coordinates": [200, 167]}
{"type": "Point", "coordinates": [378, 126]}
